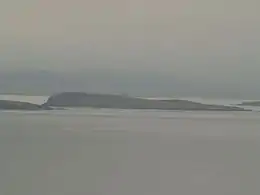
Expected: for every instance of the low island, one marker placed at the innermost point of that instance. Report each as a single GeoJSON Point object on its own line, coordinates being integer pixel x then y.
{"type": "Point", "coordinates": [250, 103]}
{"type": "Point", "coordinates": [16, 105]}
{"type": "Point", "coordinates": [80, 99]}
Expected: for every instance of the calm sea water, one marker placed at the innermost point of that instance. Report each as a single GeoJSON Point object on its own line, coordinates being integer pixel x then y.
{"type": "Point", "coordinates": [125, 152]}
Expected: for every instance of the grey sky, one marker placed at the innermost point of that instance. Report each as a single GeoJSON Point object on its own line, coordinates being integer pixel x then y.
{"type": "Point", "coordinates": [196, 39]}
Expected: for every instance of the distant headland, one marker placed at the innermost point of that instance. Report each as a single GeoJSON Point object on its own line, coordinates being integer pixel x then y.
{"type": "Point", "coordinates": [81, 99]}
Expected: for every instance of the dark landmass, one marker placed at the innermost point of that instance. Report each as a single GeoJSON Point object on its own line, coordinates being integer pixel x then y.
{"type": "Point", "coordinates": [16, 105]}
{"type": "Point", "coordinates": [251, 103]}
{"type": "Point", "coordinates": [79, 99]}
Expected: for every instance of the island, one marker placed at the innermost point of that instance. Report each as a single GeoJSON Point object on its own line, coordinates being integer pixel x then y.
{"type": "Point", "coordinates": [250, 103]}
{"type": "Point", "coordinates": [81, 99]}
{"type": "Point", "coordinates": [16, 105]}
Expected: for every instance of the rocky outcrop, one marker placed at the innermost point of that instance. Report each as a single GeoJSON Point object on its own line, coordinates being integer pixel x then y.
{"type": "Point", "coordinates": [16, 105]}
{"type": "Point", "coordinates": [79, 99]}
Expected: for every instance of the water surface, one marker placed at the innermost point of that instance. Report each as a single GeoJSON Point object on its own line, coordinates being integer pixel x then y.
{"type": "Point", "coordinates": [125, 152]}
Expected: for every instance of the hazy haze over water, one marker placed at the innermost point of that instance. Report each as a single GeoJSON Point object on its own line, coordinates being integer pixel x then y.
{"type": "Point", "coordinates": [194, 47]}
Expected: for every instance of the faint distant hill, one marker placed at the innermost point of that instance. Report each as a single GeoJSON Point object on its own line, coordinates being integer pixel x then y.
{"type": "Point", "coordinates": [35, 82]}
{"type": "Point", "coordinates": [27, 82]}
{"type": "Point", "coordinates": [250, 103]}
{"type": "Point", "coordinates": [138, 83]}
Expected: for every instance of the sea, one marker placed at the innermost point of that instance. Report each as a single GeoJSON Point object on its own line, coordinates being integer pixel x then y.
{"type": "Point", "coordinates": [88, 151]}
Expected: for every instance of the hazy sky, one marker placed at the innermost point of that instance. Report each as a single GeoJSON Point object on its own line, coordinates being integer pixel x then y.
{"type": "Point", "coordinates": [191, 38]}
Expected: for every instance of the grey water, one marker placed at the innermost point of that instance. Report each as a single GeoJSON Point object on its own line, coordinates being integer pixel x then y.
{"type": "Point", "coordinates": [125, 152]}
